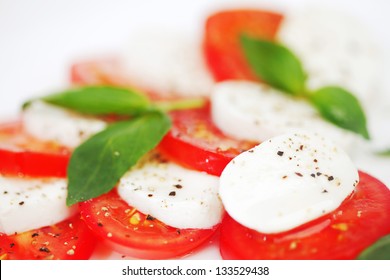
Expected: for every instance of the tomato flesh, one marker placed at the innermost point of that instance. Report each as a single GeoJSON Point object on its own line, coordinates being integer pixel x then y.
{"type": "Point", "coordinates": [195, 142]}
{"type": "Point", "coordinates": [132, 233]}
{"type": "Point", "coordinates": [67, 240]}
{"type": "Point", "coordinates": [221, 44]}
{"type": "Point", "coordinates": [22, 154]}
{"type": "Point", "coordinates": [342, 234]}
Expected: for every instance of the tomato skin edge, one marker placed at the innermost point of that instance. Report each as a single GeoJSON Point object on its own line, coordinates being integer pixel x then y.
{"type": "Point", "coordinates": [43, 160]}
{"type": "Point", "coordinates": [33, 164]}
{"type": "Point", "coordinates": [189, 155]}
{"type": "Point", "coordinates": [113, 226]}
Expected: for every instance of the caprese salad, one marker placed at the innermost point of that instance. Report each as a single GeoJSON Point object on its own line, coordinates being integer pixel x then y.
{"type": "Point", "coordinates": [235, 143]}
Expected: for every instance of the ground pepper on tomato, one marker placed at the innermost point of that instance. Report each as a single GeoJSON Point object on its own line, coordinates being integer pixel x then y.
{"type": "Point", "coordinates": [68, 240]}
{"type": "Point", "coordinates": [130, 232]}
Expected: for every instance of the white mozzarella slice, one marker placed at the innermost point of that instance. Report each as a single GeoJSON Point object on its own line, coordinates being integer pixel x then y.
{"type": "Point", "coordinates": [335, 49]}
{"type": "Point", "coordinates": [27, 204]}
{"type": "Point", "coordinates": [287, 181]}
{"type": "Point", "coordinates": [252, 111]}
{"type": "Point", "coordinates": [167, 63]}
{"type": "Point", "coordinates": [178, 197]}
{"type": "Point", "coordinates": [53, 123]}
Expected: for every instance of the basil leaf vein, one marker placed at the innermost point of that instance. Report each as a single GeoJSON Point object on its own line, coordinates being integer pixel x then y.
{"type": "Point", "coordinates": [96, 165]}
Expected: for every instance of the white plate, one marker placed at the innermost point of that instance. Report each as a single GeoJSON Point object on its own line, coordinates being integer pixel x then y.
{"type": "Point", "coordinates": [40, 39]}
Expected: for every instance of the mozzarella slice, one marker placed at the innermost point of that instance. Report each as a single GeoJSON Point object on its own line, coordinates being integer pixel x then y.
{"type": "Point", "coordinates": [287, 181]}
{"type": "Point", "coordinates": [252, 111]}
{"type": "Point", "coordinates": [335, 49]}
{"type": "Point", "coordinates": [167, 63]}
{"type": "Point", "coordinates": [53, 123]}
{"type": "Point", "coordinates": [27, 204]}
{"type": "Point", "coordinates": [178, 197]}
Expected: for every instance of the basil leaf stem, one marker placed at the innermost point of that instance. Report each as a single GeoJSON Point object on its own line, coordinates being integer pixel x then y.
{"type": "Point", "coordinates": [340, 107]}
{"type": "Point", "coordinates": [385, 153]}
{"type": "Point", "coordinates": [181, 104]}
{"type": "Point", "coordinates": [275, 64]}
{"type": "Point", "coordinates": [96, 165]}
{"type": "Point", "coordinates": [101, 100]}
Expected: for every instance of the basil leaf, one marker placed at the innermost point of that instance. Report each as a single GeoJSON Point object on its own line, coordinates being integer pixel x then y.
{"type": "Point", "coordinates": [380, 250]}
{"type": "Point", "coordinates": [96, 165]}
{"type": "Point", "coordinates": [385, 153]}
{"type": "Point", "coordinates": [100, 100]}
{"type": "Point", "coordinates": [275, 64]}
{"type": "Point", "coordinates": [341, 108]}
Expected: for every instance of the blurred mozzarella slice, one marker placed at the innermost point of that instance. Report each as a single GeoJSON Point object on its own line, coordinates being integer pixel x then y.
{"type": "Point", "coordinates": [335, 49]}
{"type": "Point", "coordinates": [27, 204]}
{"type": "Point", "coordinates": [52, 123]}
{"type": "Point", "coordinates": [168, 63]}
{"type": "Point", "coordinates": [177, 196]}
{"type": "Point", "coordinates": [252, 111]}
{"type": "Point", "coordinates": [287, 181]}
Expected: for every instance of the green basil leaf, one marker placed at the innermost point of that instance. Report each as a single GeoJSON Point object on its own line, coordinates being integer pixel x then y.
{"type": "Point", "coordinates": [275, 64]}
{"type": "Point", "coordinates": [340, 107]}
{"type": "Point", "coordinates": [96, 165]}
{"type": "Point", "coordinates": [385, 153]}
{"type": "Point", "coordinates": [380, 250]}
{"type": "Point", "coordinates": [100, 100]}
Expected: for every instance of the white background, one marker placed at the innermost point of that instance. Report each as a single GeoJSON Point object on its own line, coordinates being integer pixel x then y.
{"type": "Point", "coordinates": [40, 39]}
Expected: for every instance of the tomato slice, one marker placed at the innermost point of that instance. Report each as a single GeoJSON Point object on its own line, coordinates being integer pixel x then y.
{"type": "Point", "coordinates": [221, 45]}
{"type": "Point", "coordinates": [132, 233]}
{"type": "Point", "coordinates": [23, 154]}
{"type": "Point", "coordinates": [67, 240]}
{"type": "Point", "coordinates": [98, 72]}
{"type": "Point", "coordinates": [342, 234]}
{"type": "Point", "coordinates": [195, 142]}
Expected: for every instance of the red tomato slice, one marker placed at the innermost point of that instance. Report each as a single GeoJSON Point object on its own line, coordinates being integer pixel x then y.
{"type": "Point", "coordinates": [221, 40]}
{"type": "Point", "coordinates": [361, 220]}
{"type": "Point", "coordinates": [23, 154]}
{"type": "Point", "coordinates": [67, 240]}
{"type": "Point", "coordinates": [132, 233]}
{"type": "Point", "coordinates": [97, 72]}
{"type": "Point", "coordinates": [195, 142]}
